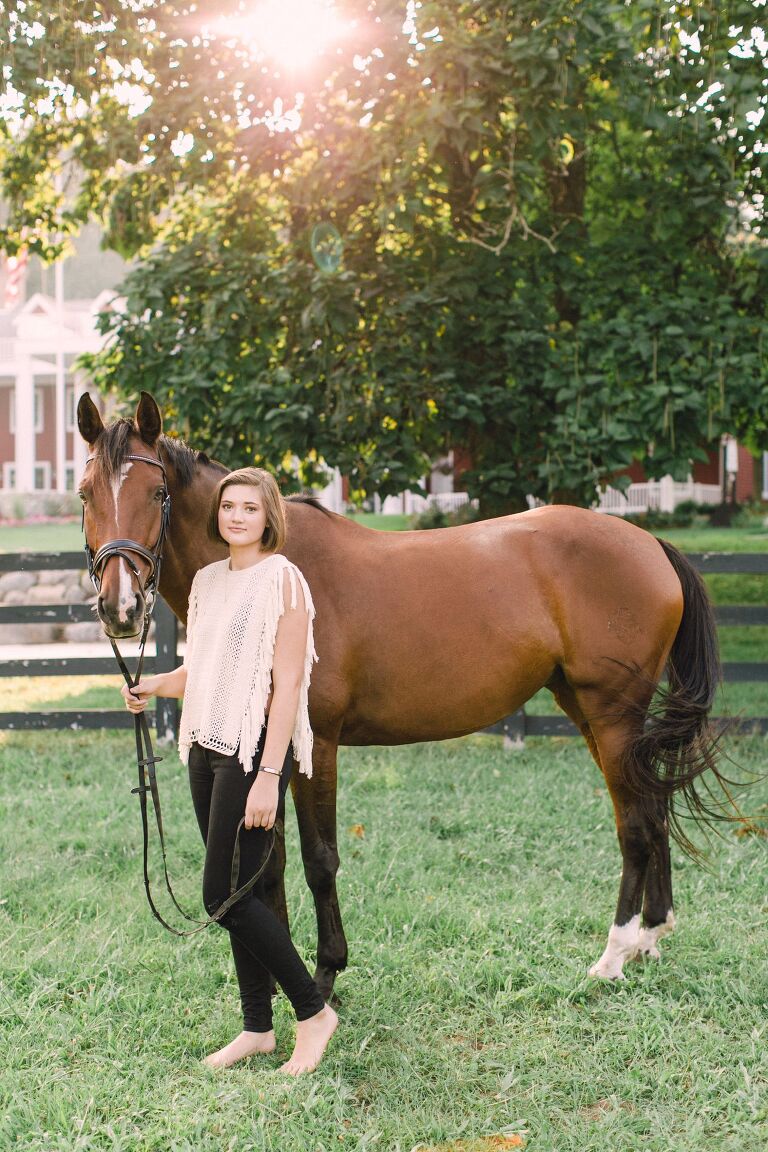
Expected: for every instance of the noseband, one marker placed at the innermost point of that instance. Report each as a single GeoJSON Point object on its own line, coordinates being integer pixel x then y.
{"type": "Point", "coordinates": [127, 549]}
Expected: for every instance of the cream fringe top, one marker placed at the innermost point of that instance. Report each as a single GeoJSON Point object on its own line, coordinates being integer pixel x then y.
{"type": "Point", "coordinates": [231, 633]}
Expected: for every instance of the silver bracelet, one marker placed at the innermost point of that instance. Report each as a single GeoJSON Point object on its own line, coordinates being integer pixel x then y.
{"type": "Point", "coordinates": [271, 771]}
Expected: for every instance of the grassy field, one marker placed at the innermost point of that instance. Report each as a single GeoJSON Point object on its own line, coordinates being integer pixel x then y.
{"type": "Point", "coordinates": [59, 536]}
{"type": "Point", "coordinates": [476, 885]}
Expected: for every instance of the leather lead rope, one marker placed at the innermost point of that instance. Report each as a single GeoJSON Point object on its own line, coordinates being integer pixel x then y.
{"type": "Point", "coordinates": [146, 761]}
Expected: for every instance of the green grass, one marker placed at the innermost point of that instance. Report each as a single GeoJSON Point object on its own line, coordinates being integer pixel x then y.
{"type": "Point", "coordinates": [53, 693]}
{"type": "Point", "coordinates": [737, 588]}
{"type": "Point", "coordinates": [393, 523]}
{"type": "Point", "coordinates": [61, 536]}
{"type": "Point", "coordinates": [749, 538]}
{"type": "Point", "coordinates": [476, 886]}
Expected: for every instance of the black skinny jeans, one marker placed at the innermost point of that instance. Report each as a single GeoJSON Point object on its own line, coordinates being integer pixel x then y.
{"type": "Point", "coordinates": [261, 946]}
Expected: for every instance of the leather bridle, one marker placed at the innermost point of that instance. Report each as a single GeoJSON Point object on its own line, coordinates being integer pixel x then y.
{"type": "Point", "coordinates": [145, 757]}
{"type": "Point", "coordinates": [127, 549]}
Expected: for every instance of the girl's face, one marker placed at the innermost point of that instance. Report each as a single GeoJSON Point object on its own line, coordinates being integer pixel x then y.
{"type": "Point", "coordinates": [242, 516]}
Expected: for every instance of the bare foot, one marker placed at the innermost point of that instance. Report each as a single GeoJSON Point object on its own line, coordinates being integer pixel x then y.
{"type": "Point", "coordinates": [244, 1045]}
{"type": "Point", "coordinates": [312, 1038]}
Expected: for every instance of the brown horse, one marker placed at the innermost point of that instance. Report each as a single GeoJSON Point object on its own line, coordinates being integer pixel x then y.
{"type": "Point", "coordinates": [432, 635]}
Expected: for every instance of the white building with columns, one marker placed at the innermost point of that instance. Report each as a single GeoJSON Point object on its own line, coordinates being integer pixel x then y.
{"type": "Point", "coordinates": [47, 321]}
{"type": "Point", "coordinates": [39, 344]}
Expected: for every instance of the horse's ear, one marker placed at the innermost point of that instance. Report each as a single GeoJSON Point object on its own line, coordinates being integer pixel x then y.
{"type": "Point", "coordinates": [88, 419]}
{"type": "Point", "coordinates": [148, 419]}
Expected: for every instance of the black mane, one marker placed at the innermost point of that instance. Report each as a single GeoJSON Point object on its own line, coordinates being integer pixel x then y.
{"type": "Point", "coordinates": [113, 446]}
{"type": "Point", "coordinates": [306, 498]}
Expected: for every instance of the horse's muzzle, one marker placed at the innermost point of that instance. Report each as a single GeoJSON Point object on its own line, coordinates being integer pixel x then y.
{"type": "Point", "coordinates": [124, 619]}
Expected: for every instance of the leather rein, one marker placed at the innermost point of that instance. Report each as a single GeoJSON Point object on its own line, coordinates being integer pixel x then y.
{"type": "Point", "coordinates": [145, 757]}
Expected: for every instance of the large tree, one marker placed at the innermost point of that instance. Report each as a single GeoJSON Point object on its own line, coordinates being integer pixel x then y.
{"type": "Point", "coordinates": [550, 216]}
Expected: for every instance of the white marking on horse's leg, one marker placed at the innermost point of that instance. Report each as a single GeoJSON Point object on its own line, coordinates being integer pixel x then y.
{"type": "Point", "coordinates": [648, 940]}
{"type": "Point", "coordinates": [622, 946]}
{"type": "Point", "coordinates": [126, 597]}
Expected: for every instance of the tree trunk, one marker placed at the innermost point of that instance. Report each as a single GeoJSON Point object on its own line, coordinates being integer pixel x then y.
{"type": "Point", "coordinates": [567, 192]}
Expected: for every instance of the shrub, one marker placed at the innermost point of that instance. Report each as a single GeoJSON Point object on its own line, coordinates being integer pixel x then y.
{"type": "Point", "coordinates": [434, 517]}
{"type": "Point", "coordinates": [686, 514]}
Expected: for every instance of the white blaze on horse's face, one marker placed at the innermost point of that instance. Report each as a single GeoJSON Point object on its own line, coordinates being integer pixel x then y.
{"type": "Point", "coordinates": [126, 597]}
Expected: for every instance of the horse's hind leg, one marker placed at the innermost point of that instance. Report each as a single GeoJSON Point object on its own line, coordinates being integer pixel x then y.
{"type": "Point", "coordinates": [315, 802]}
{"type": "Point", "coordinates": [272, 884]}
{"type": "Point", "coordinates": [658, 916]}
{"type": "Point", "coordinates": [644, 843]}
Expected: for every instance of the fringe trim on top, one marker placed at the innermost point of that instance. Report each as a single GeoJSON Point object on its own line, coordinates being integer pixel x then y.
{"type": "Point", "coordinates": [263, 648]}
{"type": "Point", "coordinates": [254, 718]}
{"type": "Point", "coordinates": [191, 618]}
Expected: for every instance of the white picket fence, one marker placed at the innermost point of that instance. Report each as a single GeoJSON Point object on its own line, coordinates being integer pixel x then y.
{"type": "Point", "coordinates": [656, 496]}
{"type": "Point", "coordinates": [413, 503]}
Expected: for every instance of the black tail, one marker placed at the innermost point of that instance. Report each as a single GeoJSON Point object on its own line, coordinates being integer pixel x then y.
{"type": "Point", "coordinates": [678, 743]}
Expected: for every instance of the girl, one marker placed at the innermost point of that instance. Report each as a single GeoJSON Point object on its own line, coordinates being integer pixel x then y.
{"type": "Point", "coordinates": [245, 680]}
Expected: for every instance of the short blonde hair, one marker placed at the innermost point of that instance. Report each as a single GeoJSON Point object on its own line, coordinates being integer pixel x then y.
{"type": "Point", "coordinates": [275, 531]}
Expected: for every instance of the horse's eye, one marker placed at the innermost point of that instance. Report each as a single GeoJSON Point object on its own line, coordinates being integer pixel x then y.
{"type": "Point", "coordinates": [82, 497]}
{"type": "Point", "coordinates": [159, 495]}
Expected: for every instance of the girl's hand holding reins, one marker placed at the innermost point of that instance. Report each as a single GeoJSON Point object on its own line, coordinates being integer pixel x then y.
{"type": "Point", "coordinates": [170, 684]}
{"type": "Point", "coordinates": [137, 698]}
{"type": "Point", "coordinates": [261, 805]}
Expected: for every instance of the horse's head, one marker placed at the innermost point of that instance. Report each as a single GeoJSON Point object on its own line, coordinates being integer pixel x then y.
{"type": "Point", "coordinates": [125, 512]}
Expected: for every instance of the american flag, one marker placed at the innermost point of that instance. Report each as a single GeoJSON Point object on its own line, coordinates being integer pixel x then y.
{"type": "Point", "coordinates": [15, 270]}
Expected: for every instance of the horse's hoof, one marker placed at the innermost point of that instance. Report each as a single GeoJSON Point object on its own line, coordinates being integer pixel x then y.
{"type": "Point", "coordinates": [621, 947]}
{"type": "Point", "coordinates": [606, 972]}
{"type": "Point", "coordinates": [324, 979]}
{"type": "Point", "coordinates": [647, 949]}
{"type": "Point", "coordinates": [648, 938]}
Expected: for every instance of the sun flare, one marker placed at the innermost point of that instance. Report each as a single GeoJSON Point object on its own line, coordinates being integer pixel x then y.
{"type": "Point", "coordinates": [292, 33]}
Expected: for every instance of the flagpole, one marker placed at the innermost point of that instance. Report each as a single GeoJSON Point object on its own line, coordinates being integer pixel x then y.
{"type": "Point", "coordinates": [61, 377]}
{"type": "Point", "coordinates": [61, 381]}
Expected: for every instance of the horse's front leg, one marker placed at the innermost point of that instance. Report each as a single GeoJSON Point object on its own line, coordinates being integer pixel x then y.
{"type": "Point", "coordinates": [315, 802]}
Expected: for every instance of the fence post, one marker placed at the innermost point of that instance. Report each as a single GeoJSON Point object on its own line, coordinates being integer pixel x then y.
{"type": "Point", "coordinates": [666, 494]}
{"type": "Point", "coordinates": [514, 731]}
{"type": "Point", "coordinates": [166, 636]}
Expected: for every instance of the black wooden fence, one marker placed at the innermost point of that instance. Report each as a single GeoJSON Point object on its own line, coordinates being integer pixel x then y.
{"type": "Point", "coordinates": [515, 727]}
{"type": "Point", "coordinates": [166, 637]}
